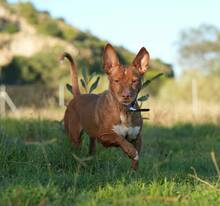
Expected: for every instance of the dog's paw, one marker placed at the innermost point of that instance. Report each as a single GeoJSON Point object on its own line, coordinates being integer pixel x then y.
{"type": "Point", "coordinates": [136, 156]}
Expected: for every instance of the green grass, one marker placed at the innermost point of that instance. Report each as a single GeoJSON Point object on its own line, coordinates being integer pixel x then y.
{"type": "Point", "coordinates": [38, 167]}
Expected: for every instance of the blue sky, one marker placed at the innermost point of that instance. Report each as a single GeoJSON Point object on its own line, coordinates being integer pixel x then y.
{"type": "Point", "coordinates": [155, 24]}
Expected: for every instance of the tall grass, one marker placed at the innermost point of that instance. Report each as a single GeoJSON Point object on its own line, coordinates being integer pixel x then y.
{"type": "Point", "coordinates": [38, 166]}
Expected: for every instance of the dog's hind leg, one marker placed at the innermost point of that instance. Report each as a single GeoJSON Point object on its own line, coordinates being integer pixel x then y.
{"type": "Point", "coordinates": [92, 146]}
{"type": "Point", "coordinates": [73, 127]}
{"type": "Point", "coordinates": [75, 134]}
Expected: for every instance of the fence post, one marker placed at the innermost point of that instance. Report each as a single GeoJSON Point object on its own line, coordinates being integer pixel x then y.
{"type": "Point", "coordinates": [2, 101]}
{"type": "Point", "coordinates": [195, 105]}
{"type": "Point", "coordinates": [61, 95]}
{"type": "Point", "coordinates": [4, 98]}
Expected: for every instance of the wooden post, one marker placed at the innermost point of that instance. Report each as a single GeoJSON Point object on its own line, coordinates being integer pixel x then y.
{"type": "Point", "coordinates": [61, 95]}
{"type": "Point", "coordinates": [195, 105]}
{"type": "Point", "coordinates": [2, 101]}
{"type": "Point", "coordinates": [4, 98]}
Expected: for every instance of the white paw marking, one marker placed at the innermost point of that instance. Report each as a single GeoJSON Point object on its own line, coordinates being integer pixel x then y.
{"type": "Point", "coordinates": [137, 156]}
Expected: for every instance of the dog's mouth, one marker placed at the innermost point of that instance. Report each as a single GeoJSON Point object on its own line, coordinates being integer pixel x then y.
{"type": "Point", "coordinates": [125, 103]}
{"type": "Point", "coordinates": [129, 103]}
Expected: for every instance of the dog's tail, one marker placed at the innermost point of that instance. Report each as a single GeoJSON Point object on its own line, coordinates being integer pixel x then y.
{"type": "Point", "coordinates": [73, 72]}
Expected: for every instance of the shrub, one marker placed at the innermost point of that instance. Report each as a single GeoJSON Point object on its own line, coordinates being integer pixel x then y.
{"type": "Point", "coordinates": [81, 36]}
{"type": "Point", "coordinates": [68, 33]}
{"type": "Point", "coordinates": [43, 68]}
{"type": "Point", "coordinates": [50, 27]}
{"type": "Point", "coordinates": [19, 71]}
{"type": "Point", "coordinates": [8, 26]}
{"type": "Point", "coordinates": [29, 12]}
{"type": "Point", "coordinates": [208, 87]}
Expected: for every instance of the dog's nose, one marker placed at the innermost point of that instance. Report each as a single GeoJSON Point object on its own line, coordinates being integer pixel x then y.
{"type": "Point", "coordinates": [126, 95]}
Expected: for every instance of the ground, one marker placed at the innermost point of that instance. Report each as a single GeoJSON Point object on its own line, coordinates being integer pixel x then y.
{"type": "Point", "coordinates": [38, 166]}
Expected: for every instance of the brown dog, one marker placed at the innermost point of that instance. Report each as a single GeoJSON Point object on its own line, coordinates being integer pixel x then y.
{"type": "Point", "coordinates": [107, 116]}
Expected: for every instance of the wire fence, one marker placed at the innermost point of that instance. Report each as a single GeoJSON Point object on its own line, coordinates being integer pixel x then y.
{"type": "Point", "coordinates": [7, 102]}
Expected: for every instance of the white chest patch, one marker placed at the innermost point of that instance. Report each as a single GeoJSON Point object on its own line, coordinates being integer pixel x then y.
{"type": "Point", "coordinates": [124, 131]}
{"type": "Point", "coordinates": [125, 128]}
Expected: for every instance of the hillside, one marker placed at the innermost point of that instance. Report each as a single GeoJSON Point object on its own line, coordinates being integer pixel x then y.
{"type": "Point", "coordinates": [31, 42]}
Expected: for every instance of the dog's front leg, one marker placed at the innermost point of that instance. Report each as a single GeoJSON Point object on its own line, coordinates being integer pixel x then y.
{"type": "Point", "coordinates": [137, 145]}
{"type": "Point", "coordinates": [116, 140]}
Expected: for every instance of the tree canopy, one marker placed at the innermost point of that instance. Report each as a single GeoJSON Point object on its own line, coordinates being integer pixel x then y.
{"type": "Point", "coordinates": [199, 48]}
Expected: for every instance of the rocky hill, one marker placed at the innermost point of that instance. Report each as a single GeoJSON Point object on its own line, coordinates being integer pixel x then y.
{"type": "Point", "coordinates": [32, 41]}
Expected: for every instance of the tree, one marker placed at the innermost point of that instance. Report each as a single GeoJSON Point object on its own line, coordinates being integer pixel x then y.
{"type": "Point", "coordinates": [199, 48]}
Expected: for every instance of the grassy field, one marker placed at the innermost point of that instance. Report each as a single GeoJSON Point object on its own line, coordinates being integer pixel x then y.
{"type": "Point", "coordinates": [38, 166]}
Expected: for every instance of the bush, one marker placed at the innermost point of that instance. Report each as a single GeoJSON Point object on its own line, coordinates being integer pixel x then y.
{"type": "Point", "coordinates": [42, 68]}
{"type": "Point", "coordinates": [19, 71]}
{"type": "Point", "coordinates": [208, 87]}
{"type": "Point", "coordinates": [29, 12]}
{"type": "Point", "coordinates": [81, 36]}
{"type": "Point", "coordinates": [50, 27]}
{"type": "Point", "coordinates": [45, 24]}
{"type": "Point", "coordinates": [69, 33]}
{"type": "Point", "coordinates": [8, 26]}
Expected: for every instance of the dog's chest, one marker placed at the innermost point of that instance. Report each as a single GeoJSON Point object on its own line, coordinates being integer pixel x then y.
{"type": "Point", "coordinates": [125, 128]}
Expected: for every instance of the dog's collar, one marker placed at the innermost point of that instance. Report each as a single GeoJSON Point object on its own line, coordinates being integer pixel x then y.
{"type": "Point", "coordinates": [132, 108]}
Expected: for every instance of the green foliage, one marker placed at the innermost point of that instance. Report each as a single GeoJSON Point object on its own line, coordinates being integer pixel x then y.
{"type": "Point", "coordinates": [38, 167]}
{"type": "Point", "coordinates": [150, 86]}
{"type": "Point", "coordinates": [143, 98]}
{"type": "Point", "coordinates": [68, 32]}
{"type": "Point", "coordinates": [91, 51]}
{"type": "Point", "coordinates": [181, 89]}
{"type": "Point", "coordinates": [87, 79]}
{"type": "Point", "coordinates": [125, 56]}
{"type": "Point", "coordinates": [12, 28]}
{"type": "Point", "coordinates": [9, 26]}
{"type": "Point", "coordinates": [158, 64]}
{"type": "Point", "coordinates": [43, 68]}
{"type": "Point", "coordinates": [147, 82]}
{"type": "Point", "coordinates": [44, 65]}
{"type": "Point", "coordinates": [29, 12]}
{"type": "Point", "coordinates": [50, 27]}
{"type": "Point", "coordinates": [199, 48]}
{"type": "Point", "coordinates": [94, 85]}
{"type": "Point", "coordinates": [83, 84]}
{"type": "Point", "coordinates": [45, 24]}
{"type": "Point", "coordinates": [19, 71]}
{"type": "Point", "coordinates": [82, 36]}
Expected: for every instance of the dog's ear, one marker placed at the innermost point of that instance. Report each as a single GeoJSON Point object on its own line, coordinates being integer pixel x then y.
{"type": "Point", "coordinates": [110, 58]}
{"type": "Point", "coordinates": [141, 61]}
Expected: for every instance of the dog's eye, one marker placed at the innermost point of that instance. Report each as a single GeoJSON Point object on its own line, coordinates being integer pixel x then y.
{"type": "Point", "coordinates": [134, 81]}
{"type": "Point", "coordinates": [116, 80]}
